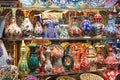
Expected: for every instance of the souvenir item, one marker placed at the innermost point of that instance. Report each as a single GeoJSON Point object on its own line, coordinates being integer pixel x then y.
{"type": "Point", "coordinates": [90, 76]}
{"type": "Point", "coordinates": [67, 59]}
{"type": "Point", "coordinates": [33, 62]}
{"type": "Point", "coordinates": [48, 65]}
{"type": "Point", "coordinates": [96, 3]}
{"type": "Point", "coordinates": [13, 30]}
{"type": "Point", "coordinates": [57, 54]}
{"type": "Point", "coordinates": [44, 3]}
{"type": "Point", "coordinates": [75, 3]}
{"type": "Point", "coordinates": [27, 26]}
{"type": "Point", "coordinates": [76, 50]}
{"type": "Point", "coordinates": [27, 3]}
{"type": "Point", "coordinates": [38, 30]}
{"type": "Point", "coordinates": [111, 62]}
{"type": "Point", "coordinates": [9, 72]}
{"type": "Point", "coordinates": [91, 56]}
{"type": "Point", "coordinates": [98, 26]}
{"type": "Point", "coordinates": [23, 65]}
{"type": "Point", "coordinates": [84, 64]}
{"type": "Point", "coordinates": [50, 31]}
{"type": "Point", "coordinates": [65, 77]}
{"type": "Point", "coordinates": [42, 60]}
{"type": "Point", "coordinates": [110, 30]}
{"type": "Point", "coordinates": [109, 3]}
{"type": "Point", "coordinates": [60, 3]}
{"type": "Point", "coordinates": [110, 74]}
{"type": "Point", "coordinates": [31, 78]}
{"type": "Point", "coordinates": [74, 30]}
{"type": "Point", "coordinates": [64, 31]}
{"type": "Point", "coordinates": [86, 27]}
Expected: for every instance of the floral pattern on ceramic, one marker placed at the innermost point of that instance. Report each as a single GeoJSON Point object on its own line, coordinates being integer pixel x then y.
{"type": "Point", "coordinates": [74, 30]}
{"type": "Point", "coordinates": [86, 27]}
{"type": "Point", "coordinates": [110, 30]}
{"type": "Point", "coordinates": [96, 3]}
{"type": "Point", "coordinates": [13, 30]}
{"type": "Point", "coordinates": [98, 26]}
{"type": "Point", "coordinates": [23, 65]}
{"type": "Point", "coordinates": [48, 65]}
{"type": "Point", "coordinates": [27, 3]}
{"type": "Point", "coordinates": [38, 30]}
{"type": "Point", "coordinates": [64, 31]}
{"type": "Point", "coordinates": [60, 3]}
{"type": "Point", "coordinates": [50, 31]}
{"type": "Point", "coordinates": [31, 78]}
{"type": "Point", "coordinates": [110, 3]}
{"type": "Point", "coordinates": [56, 55]}
{"type": "Point", "coordinates": [27, 26]}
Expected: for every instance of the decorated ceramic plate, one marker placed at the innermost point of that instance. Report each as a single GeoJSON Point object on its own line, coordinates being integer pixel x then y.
{"type": "Point", "coordinates": [65, 78]}
{"type": "Point", "coordinates": [96, 3]}
{"type": "Point", "coordinates": [90, 76]}
{"type": "Point", "coordinates": [60, 3]}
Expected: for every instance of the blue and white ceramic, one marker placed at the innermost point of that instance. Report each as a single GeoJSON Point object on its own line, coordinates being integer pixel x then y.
{"type": "Point", "coordinates": [110, 30]}
{"type": "Point", "coordinates": [86, 27]}
{"type": "Point", "coordinates": [50, 31]}
{"type": "Point", "coordinates": [60, 3]}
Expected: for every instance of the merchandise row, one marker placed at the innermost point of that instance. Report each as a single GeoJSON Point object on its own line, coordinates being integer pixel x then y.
{"type": "Point", "coordinates": [68, 57]}
{"type": "Point", "coordinates": [50, 28]}
{"type": "Point", "coordinates": [68, 3]}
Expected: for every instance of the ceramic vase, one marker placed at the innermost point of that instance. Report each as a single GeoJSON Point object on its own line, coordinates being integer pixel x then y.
{"type": "Point", "coordinates": [50, 31]}
{"type": "Point", "coordinates": [111, 62]}
{"type": "Point", "coordinates": [64, 31]}
{"type": "Point", "coordinates": [75, 3]}
{"type": "Point", "coordinates": [56, 55]}
{"type": "Point", "coordinates": [84, 64]}
{"type": "Point", "coordinates": [110, 30]}
{"type": "Point", "coordinates": [98, 26]}
{"type": "Point", "coordinates": [13, 30]}
{"type": "Point", "coordinates": [48, 65]}
{"type": "Point", "coordinates": [74, 30]}
{"type": "Point", "coordinates": [86, 27]}
{"type": "Point", "coordinates": [27, 26]}
{"type": "Point", "coordinates": [23, 64]}
{"type": "Point", "coordinates": [38, 30]}
{"type": "Point", "coordinates": [33, 62]}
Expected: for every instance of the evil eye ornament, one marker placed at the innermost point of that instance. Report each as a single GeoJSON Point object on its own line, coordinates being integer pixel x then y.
{"type": "Point", "coordinates": [60, 3]}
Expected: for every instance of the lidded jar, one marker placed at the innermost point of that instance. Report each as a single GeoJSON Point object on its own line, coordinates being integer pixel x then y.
{"type": "Point", "coordinates": [98, 26]}
{"type": "Point", "coordinates": [86, 27]}
{"type": "Point", "coordinates": [13, 30]}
